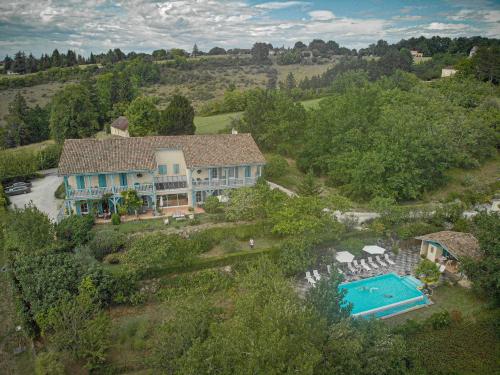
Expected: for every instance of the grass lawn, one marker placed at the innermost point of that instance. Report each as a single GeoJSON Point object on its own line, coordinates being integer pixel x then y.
{"type": "Point", "coordinates": [445, 298]}
{"type": "Point", "coordinates": [312, 103]}
{"type": "Point", "coordinates": [31, 147]}
{"type": "Point", "coordinates": [214, 124]}
{"type": "Point", "coordinates": [462, 179]}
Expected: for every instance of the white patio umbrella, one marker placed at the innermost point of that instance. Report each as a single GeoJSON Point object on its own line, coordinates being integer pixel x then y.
{"type": "Point", "coordinates": [373, 249]}
{"type": "Point", "coordinates": [344, 257]}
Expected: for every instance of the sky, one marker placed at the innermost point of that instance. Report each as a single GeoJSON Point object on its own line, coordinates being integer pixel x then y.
{"type": "Point", "coordinates": [145, 25]}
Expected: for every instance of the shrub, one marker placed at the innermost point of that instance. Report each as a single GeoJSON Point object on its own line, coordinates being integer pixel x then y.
{"type": "Point", "coordinates": [212, 205]}
{"type": "Point", "coordinates": [115, 219]}
{"type": "Point", "coordinates": [439, 320]}
{"type": "Point", "coordinates": [75, 229]}
{"type": "Point", "coordinates": [107, 242]}
{"type": "Point", "coordinates": [276, 166]}
{"type": "Point", "coordinates": [295, 256]}
{"type": "Point", "coordinates": [410, 230]}
{"type": "Point", "coordinates": [60, 192]}
{"type": "Point", "coordinates": [354, 245]}
{"type": "Point", "coordinates": [47, 363]}
{"type": "Point", "coordinates": [112, 259]}
{"type": "Point", "coordinates": [230, 245]}
{"type": "Point", "coordinates": [427, 271]}
{"type": "Point", "coordinates": [49, 156]}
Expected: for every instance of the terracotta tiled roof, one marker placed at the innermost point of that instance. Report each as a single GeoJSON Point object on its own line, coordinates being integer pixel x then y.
{"type": "Point", "coordinates": [120, 123]}
{"type": "Point", "coordinates": [458, 243]}
{"type": "Point", "coordinates": [138, 153]}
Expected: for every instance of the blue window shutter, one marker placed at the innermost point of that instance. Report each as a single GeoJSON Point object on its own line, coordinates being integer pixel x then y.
{"type": "Point", "coordinates": [80, 182]}
{"type": "Point", "coordinates": [176, 168]}
{"type": "Point", "coordinates": [123, 179]}
{"type": "Point", "coordinates": [102, 180]}
{"type": "Point", "coordinates": [162, 169]}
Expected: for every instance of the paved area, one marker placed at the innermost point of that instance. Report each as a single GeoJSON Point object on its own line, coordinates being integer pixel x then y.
{"type": "Point", "coordinates": [42, 194]}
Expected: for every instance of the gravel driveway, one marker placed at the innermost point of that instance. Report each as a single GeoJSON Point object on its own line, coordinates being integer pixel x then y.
{"type": "Point", "coordinates": [42, 194]}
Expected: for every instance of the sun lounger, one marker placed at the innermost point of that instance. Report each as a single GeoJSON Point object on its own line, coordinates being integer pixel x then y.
{"type": "Point", "coordinates": [351, 268]}
{"type": "Point", "coordinates": [311, 281]}
{"type": "Point", "coordinates": [380, 261]}
{"type": "Point", "coordinates": [356, 264]}
{"type": "Point", "coordinates": [364, 265]}
{"type": "Point", "coordinates": [316, 274]}
{"type": "Point", "coordinates": [388, 260]}
{"type": "Point", "coordinates": [329, 269]}
{"type": "Point", "coordinates": [372, 263]}
{"type": "Point", "coordinates": [308, 275]}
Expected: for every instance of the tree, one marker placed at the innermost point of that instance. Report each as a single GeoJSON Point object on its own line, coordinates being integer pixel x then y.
{"type": "Point", "coordinates": [486, 64]}
{"type": "Point", "coordinates": [276, 166]}
{"type": "Point", "coordinates": [309, 187]}
{"type": "Point", "coordinates": [75, 229]}
{"type": "Point", "coordinates": [177, 118]}
{"type": "Point", "coordinates": [195, 51]}
{"type": "Point", "coordinates": [485, 272]}
{"type": "Point", "coordinates": [131, 201]}
{"type": "Point", "coordinates": [270, 331]}
{"type": "Point", "coordinates": [159, 54]}
{"type": "Point", "coordinates": [19, 63]}
{"type": "Point", "coordinates": [428, 271]}
{"type": "Point", "coordinates": [72, 114]}
{"type": "Point", "coordinates": [37, 122]}
{"type": "Point", "coordinates": [328, 300]}
{"type": "Point", "coordinates": [260, 52]}
{"type": "Point", "coordinates": [78, 325]}
{"type": "Point", "coordinates": [299, 45]}
{"type": "Point", "coordinates": [17, 131]}
{"type": "Point", "coordinates": [217, 51]}
{"type": "Point", "coordinates": [212, 205]}
{"type": "Point", "coordinates": [56, 59]}
{"type": "Point", "coordinates": [28, 230]}
{"type": "Point", "coordinates": [290, 82]}
{"type": "Point", "coordinates": [142, 117]}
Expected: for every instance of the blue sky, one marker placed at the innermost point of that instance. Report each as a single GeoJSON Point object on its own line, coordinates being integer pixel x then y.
{"type": "Point", "coordinates": [145, 25]}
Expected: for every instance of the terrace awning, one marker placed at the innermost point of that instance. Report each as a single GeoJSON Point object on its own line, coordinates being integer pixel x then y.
{"type": "Point", "coordinates": [373, 249]}
{"type": "Point", "coordinates": [344, 257]}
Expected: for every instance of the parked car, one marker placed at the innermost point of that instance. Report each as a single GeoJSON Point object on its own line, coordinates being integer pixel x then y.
{"type": "Point", "coordinates": [17, 190]}
{"type": "Point", "coordinates": [17, 184]}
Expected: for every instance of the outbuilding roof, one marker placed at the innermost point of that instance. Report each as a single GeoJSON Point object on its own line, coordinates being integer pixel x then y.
{"type": "Point", "coordinates": [138, 153]}
{"type": "Point", "coordinates": [120, 123]}
{"type": "Point", "coordinates": [458, 243]}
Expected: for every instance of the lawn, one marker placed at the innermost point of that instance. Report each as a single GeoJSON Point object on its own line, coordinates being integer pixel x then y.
{"type": "Point", "coordinates": [446, 298]}
{"type": "Point", "coordinates": [214, 124]}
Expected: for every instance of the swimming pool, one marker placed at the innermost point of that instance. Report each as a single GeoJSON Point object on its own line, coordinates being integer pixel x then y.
{"type": "Point", "coordinates": [384, 296]}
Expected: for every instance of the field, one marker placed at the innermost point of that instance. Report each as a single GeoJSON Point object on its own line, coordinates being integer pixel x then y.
{"type": "Point", "coordinates": [40, 94]}
{"type": "Point", "coordinates": [214, 124]}
{"type": "Point", "coordinates": [300, 71]}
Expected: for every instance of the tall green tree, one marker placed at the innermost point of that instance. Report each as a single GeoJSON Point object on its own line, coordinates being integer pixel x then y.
{"type": "Point", "coordinates": [72, 114]}
{"type": "Point", "coordinates": [309, 187]}
{"type": "Point", "coordinates": [177, 118]}
{"type": "Point", "coordinates": [143, 117]}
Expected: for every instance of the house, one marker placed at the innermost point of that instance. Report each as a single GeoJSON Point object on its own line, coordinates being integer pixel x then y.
{"type": "Point", "coordinates": [165, 171]}
{"type": "Point", "coordinates": [119, 127]}
{"type": "Point", "coordinates": [417, 56]}
{"type": "Point", "coordinates": [448, 71]}
{"type": "Point", "coordinates": [448, 247]}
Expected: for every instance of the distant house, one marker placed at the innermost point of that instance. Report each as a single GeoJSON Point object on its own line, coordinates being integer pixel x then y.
{"type": "Point", "coordinates": [306, 57]}
{"type": "Point", "coordinates": [448, 247]}
{"type": "Point", "coordinates": [119, 127]}
{"type": "Point", "coordinates": [416, 54]}
{"type": "Point", "coordinates": [448, 71]}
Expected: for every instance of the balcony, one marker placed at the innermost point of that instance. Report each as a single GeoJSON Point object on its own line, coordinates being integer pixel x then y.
{"type": "Point", "coordinates": [98, 192]}
{"type": "Point", "coordinates": [223, 183]}
{"type": "Point", "coordinates": [170, 182]}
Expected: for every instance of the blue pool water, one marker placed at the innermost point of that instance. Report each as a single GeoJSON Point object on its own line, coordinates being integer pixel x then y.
{"type": "Point", "coordinates": [384, 295]}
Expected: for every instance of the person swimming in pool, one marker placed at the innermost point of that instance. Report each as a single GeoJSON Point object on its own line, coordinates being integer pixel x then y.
{"type": "Point", "coordinates": [388, 295]}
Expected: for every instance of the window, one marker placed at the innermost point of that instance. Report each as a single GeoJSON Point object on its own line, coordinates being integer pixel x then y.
{"type": "Point", "coordinates": [213, 172]}
{"type": "Point", "coordinates": [230, 172]}
{"type": "Point", "coordinates": [84, 208]}
{"type": "Point", "coordinates": [123, 179]}
{"type": "Point", "coordinates": [102, 180]}
{"type": "Point", "coordinates": [176, 168]}
{"type": "Point", "coordinates": [162, 169]}
{"type": "Point", "coordinates": [80, 182]}
{"type": "Point", "coordinates": [248, 171]}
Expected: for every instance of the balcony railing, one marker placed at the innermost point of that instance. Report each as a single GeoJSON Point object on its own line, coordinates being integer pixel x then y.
{"type": "Point", "coordinates": [98, 192]}
{"type": "Point", "coordinates": [170, 182]}
{"type": "Point", "coordinates": [224, 183]}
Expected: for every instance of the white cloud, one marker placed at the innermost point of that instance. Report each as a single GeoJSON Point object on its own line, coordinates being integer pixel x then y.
{"type": "Point", "coordinates": [407, 18]}
{"type": "Point", "coordinates": [274, 5]}
{"type": "Point", "coordinates": [321, 15]}
{"type": "Point", "coordinates": [446, 26]}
